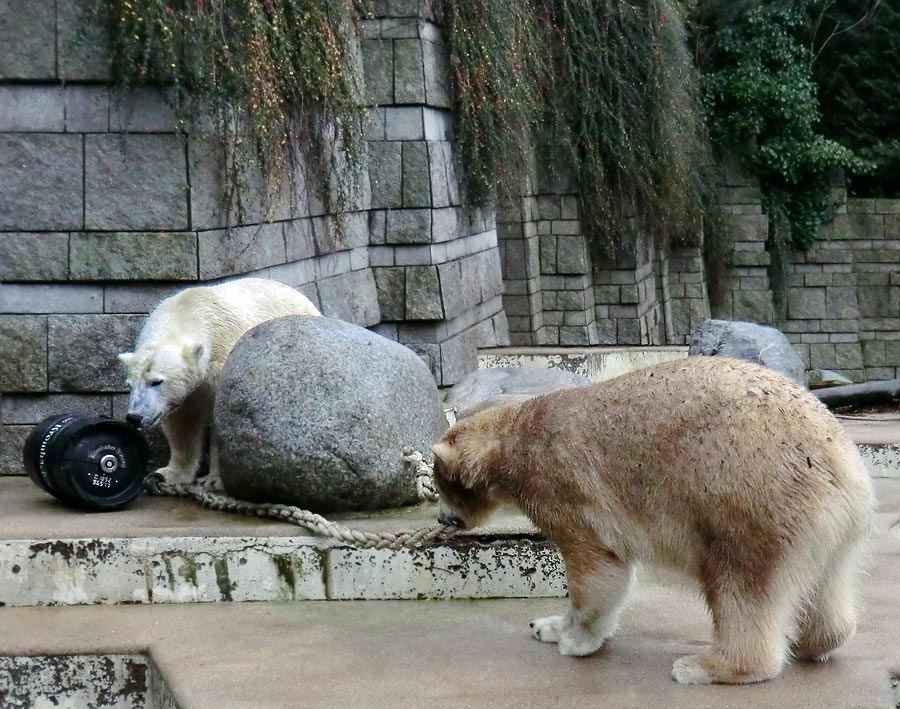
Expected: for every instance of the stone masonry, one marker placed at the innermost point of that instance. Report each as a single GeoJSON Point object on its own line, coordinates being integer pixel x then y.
{"type": "Point", "coordinates": [106, 208]}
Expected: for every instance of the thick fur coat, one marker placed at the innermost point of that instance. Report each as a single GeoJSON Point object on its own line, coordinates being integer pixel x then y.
{"type": "Point", "coordinates": [179, 354]}
{"type": "Point", "coordinates": [721, 469]}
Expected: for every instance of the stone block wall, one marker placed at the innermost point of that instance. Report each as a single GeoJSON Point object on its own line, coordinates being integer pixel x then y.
{"type": "Point", "coordinates": [842, 295]}
{"type": "Point", "coordinates": [106, 208]}
{"type": "Point", "coordinates": [559, 294]}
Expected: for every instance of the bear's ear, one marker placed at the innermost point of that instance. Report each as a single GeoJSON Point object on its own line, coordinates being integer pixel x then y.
{"type": "Point", "coordinates": [444, 452]}
{"type": "Point", "coordinates": [126, 358]}
{"type": "Point", "coordinates": [196, 353]}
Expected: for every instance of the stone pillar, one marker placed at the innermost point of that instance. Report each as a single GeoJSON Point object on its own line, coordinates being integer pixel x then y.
{"type": "Point", "coordinates": [750, 297]}
{"type": "Point", "coordinates": [436, 259]}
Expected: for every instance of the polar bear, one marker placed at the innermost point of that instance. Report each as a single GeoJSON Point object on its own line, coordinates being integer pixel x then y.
{"type": "Point", "coordinates": [179, 354]}
{"type": "Point", "coordinates": [722, 469]}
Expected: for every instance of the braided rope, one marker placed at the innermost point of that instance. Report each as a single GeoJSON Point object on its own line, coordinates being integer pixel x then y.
{"type": "Point", "coordinates": [424, 474]}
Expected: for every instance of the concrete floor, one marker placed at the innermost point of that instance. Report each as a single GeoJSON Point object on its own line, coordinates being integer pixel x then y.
{"type": "Point", "coordinates": [461, 653]}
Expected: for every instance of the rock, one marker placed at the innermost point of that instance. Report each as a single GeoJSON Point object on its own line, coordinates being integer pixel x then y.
{"type": "Point", "coordinates": [497, 386]}
{"type": "Point", "coordinates": [822, 378]}
{"type": "Point", "coordinates": [314, 412]}
{"type": "Point", "coordinates": [752, 343]}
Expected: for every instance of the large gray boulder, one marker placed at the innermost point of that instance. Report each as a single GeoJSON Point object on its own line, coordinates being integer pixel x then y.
{"type": "Point", "coordinates": [314, 412]}
{"type": "Point", "coordinates": [496, 386]}
{"type": "Point", "coordinates": [752, 343]}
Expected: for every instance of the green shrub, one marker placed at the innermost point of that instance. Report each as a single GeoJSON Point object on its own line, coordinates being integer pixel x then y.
{"type": "Point", "coordinates": [762, 103]}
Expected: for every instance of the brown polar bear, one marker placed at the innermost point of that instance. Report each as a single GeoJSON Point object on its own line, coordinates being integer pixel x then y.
{"type": "Point", "coordinates": [179, 355]}
{"type": "Point", "coordinates": [721, 469]}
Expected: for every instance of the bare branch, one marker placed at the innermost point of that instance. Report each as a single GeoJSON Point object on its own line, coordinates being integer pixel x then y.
{"type": "Point", "coordinates": [838, 30]}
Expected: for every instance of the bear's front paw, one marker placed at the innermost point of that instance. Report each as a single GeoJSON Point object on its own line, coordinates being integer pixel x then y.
{"type": "Point", "coordinates": [691, 669]}
{"type": "Point", "coordinates": [175, 476]}
{"type": "Point", "coordinates": [578, 642]}
{"type": "Point", "coordinates": [211, 483]}
{"type": "Point", "coordinates": [547, 630]}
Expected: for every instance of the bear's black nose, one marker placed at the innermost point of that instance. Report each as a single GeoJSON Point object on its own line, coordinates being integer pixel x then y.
{"type": "Point", "coordinates": [134, 419]}
{"type": "Point", "coordinates": [451, 519]}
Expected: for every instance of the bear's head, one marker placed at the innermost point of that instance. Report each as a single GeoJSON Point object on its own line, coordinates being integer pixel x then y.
{"type": "Point", "coordinates": [160, 379]}
{"type": "Point", "coordinates": [469, 470]}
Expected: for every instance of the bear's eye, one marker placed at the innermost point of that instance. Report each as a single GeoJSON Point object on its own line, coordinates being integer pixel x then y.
{"type": "Point", "coordinates": [156, 382]}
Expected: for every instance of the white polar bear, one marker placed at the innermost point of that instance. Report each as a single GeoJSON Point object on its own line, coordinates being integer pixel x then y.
{"type": "Point", "coordinates": [179, 354]}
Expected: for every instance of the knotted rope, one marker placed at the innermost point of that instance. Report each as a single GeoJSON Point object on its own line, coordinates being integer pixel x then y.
{"type": "Point", "coordinates": [424, 475]}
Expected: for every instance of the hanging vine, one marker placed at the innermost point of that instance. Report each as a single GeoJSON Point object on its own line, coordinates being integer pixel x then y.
{"type": "Point", "coordinates": [277, 79]}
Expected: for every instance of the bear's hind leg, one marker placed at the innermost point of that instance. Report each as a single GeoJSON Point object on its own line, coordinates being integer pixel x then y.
{"type": "Point", "coordinates": [598, 586]}
{"type": "Point", "coordinates": [830, 618]}
{"type": "Point", "coordinates": [751, 628]}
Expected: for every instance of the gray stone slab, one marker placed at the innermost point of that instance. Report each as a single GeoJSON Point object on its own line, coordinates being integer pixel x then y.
{"type": "Point", "coordinates": [12, 443]}
{"type": "Point", "coordinates": [571, 254]}
{"type": "Point", "coordinates": [416, 175]}
{"type": "Point", "coordinates": [423, 293]}
{"type": "Point", "coordinates": [409, 73]}
{"type": "Point", "coordinates": [452, 289]}
{"type": "Point", "coordinates": [878, 301]}
{"type": "Point", "coordinates": [135, 297]}
{"type": "Point", "coordinates": [31, 108]}
{"type": "Point", "coordinates": [83, 351]}
{"type": "Point", "coordinates": [55, 298]}
{"type": "Point", "coordinates": [386, 173]}
{"type": "Point", "coordinates": [34, 256]}
{"type": "Point", "coordinates": [753, 306]}
{"type": "Point", "coordinates": [82, 47]}
{"type": "Point", "coordinates": [41, 181]}
{"type": "Point", "coordinates": [135, 182]}
{"type": "Point", "coordinates": [806, 303]}
{"type": "Point", "coordinates": [225, 252]}
{"type": "Point", "coordinates": [298, 239]}
{"type": "Point", "coordinates": [87, 109]}
{"type": "Point", "coordinates": [446, 224]}
{"type": "Point", "coordinates": [436, 62]}
{"type": "Point", "coordinates": [390, 284]}
{"type": "Point", "coordinates": [378, 71]}
{"type": "Point", "coordinates": [27, 39]}
{"type": "Point", "coordinates": [408, 226]}
{"type": "Point", "coordinates": [207, 170]}
{"type": "Point", "coordinates": [352, 297]}
{"type": "Point", "coordinates": [23, 342]}
{"type": "Point", "coordinates": [145, 110]}
{"type": "Point", "coordinates": [404, 123]}
{"type": "Point", "coordinates": [29, 409]}
{"type": "Point", "coordinates": [142, 256]}
{"type": "Point", "coordinates": [444, 183]}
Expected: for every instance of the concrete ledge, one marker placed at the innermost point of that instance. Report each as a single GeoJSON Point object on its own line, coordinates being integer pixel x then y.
{"type": "Point", "coordinates": [596, 363]}
{"type": "Point", "coordinates": [114, 680]}
{"type": "Point", "coordinates": [165, 550]}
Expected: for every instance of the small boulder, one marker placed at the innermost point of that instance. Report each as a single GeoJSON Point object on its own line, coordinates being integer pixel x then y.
{"type": "Point", "coordinates": [314, 412]}
{"type": "Point", "coordinates": [824, 378]}
{"type": "Point", "coordinates": [752, 343]}
{"type": "Point", "coordinates": [496, 386]}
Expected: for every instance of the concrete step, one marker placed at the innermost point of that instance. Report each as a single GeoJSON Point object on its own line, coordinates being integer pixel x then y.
{"type": "Point", "coordinates": [167, 550]}
{"type": "Point", "coordinates": [427, 654]}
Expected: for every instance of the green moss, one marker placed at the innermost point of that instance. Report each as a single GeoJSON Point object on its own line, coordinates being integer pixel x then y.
{"type": "Point", "coordinates": [223, 581]}
{"type": "Point", "coordinates": [284, 565]}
